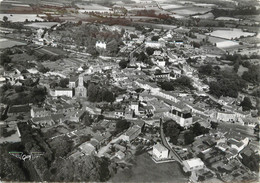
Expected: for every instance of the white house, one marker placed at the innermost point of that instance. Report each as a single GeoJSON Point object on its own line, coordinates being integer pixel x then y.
{"type": "Point", "coordinates": [180, 113]}
{"type": "Point", "coordinates": [226, 116]}
{"type": "Point", "coordinates": [160, 152]}
{"type": "Point", "coordinates": [135, 107]}
{"type": "Point", "coordinates": [101, 45]}
{"type": "Point", "coordinates": [63, 92]}
{"type": "Point", "coordinates": [87, 148]}
{"type": "Point", "coordinates": [193, 164]}
{"type": "Point", "coordinates": [153, 44]}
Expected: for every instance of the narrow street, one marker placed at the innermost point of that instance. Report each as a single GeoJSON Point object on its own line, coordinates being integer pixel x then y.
{"type": "Point", "coordinates": [165, 143]}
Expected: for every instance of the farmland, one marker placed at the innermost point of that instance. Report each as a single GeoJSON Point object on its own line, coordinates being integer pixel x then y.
{"type": "Point", "coordinates": [227, 18]}
{"type": "Point", "coordinates": [92, 7]}
{"type": "Point", "coordinates": [190, 10]}
{"type": "Point", "coordinates": [42, 24]}
{"type": "Point", "coordinates": [8, 43]}
{"type": "Point", "coordinates": [170, 6]}
{"type": "Point", "coordinates": [230, 34]}
{"type": "Point", "coordinates": [21, 17]}
{"type": "Point", "coordinates": [205, 16]}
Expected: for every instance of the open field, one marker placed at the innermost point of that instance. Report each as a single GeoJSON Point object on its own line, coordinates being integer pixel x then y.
{"type": "Point", "coordinates": [92, 7]}
{"type": "Point", "coordinates": [21, 17]}
{"type": "Point", "coordinates": [170, 6]}
{"type": "Point", "coordinates": [145, 170]}
{"type": "Point", "coordinates": [42, 24]}
{"type": "Point", "coordinates": [230, 34]}
{"type": "Point", "coordinates": [227, 18]}
{"type": "Point", "coordinates": [191, 10]}
{"type": "Point", "coordinates": [8, 43]}
{"type": "Point", "coordinates": [205, 16]}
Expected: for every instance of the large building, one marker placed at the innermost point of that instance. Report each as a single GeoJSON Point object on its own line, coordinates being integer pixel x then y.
{"type": "Point", "coordinates": [39, 112]}
{"type": "Point", "coordinates": [180, 113]}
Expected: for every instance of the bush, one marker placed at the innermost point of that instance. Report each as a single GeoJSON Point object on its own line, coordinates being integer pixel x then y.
{"type": "Point", "coordinates": [123, 64]}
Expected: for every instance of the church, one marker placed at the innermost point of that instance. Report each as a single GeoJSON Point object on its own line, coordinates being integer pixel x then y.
{"type": "Point", "coordinates": [77, 83]}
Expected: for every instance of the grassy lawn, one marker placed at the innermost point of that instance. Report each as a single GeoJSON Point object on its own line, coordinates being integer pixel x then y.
{"type": "Point", "coordinates": [145, 170]}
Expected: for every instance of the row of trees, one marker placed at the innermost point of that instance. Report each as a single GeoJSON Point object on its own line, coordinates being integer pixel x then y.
{"type": "Point", "coordinates": [227, 84]}
{"type": "Point", "coordinates": [181, 82]}
{"type": "Point", "coordinates": [173, 130]}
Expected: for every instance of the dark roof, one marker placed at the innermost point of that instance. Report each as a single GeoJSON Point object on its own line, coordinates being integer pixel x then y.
{"type": "Point", "coordinates": [56, 117]}
{"type": "Point", "coordinates": [162, 73]}
{"type": "Point", "coordinates": [19, 109]}
{"type": "Point", "coordinates": [73, 79]}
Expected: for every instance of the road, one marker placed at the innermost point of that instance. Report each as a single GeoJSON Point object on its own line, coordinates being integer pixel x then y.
{"type": "Point", "coordinates": [165, 143]}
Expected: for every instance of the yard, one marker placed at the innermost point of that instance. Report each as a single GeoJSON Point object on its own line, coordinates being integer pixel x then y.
{"type": "Point", "coordinates": [145, 170]}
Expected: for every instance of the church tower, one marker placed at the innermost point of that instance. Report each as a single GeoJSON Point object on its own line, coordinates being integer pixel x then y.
{"type": "Point", "coordinates": [80, 90]}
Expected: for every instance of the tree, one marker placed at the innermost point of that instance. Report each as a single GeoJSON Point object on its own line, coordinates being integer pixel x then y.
{"type": "Point", "coordinates": [184, 81]}
{"type": "Point", "coordinates": [92, 92]}
{"type": "Point", "coordinates": [5, 19]}
{"type": "Point", "coordinates": [168, 86]}
{"type": "Point", "coordinates": [4, 59]}
{"type": "Point", "coordinates": [188, 138]}
{"type": "Point", "coordinates": [43, 69]}
{"type": "Point", "coordinates": [142, 57]}
{"type": "Point", "coordinates": [123, 64]}
{"type": "Point", "coordinates": [172, 129]}
{"type": "Point", "coordinates": [87, 120]}
{"type": "Point", "coordinates": [155, 38]}
{"type": "Point", "coordinates": [206, 69]}
{"type": "Point", "coordinates": [246, 104]}
{"type": "Point", "coordinates": [214, 125]}
{"type": "Point", "coordinates": [221, 24]}
{"type": "Point", "coordinates": [197, 129]}
{"type": "Point", "coordinates": [252, 75]}
{"type": "Point", "coordinates": [122, 125]}
{"type": "Point", "coordinates": [108, 96]}
{"type": "Point", "coordinates": [149, 50]}
{"type": "Point", "coordinates": [64, 82]}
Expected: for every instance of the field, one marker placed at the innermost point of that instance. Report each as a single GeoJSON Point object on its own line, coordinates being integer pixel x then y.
{"type": "Point", "coordinates": [204, 5]}
{"type": "Point", "coordinates": [230, 34]}
{"type": "Point", "coordinates": [241, 70]}
{"type": "Point", "coordinates": [227, 44]}
{"type": "Point", "coordinates": [8, 43]}
{"type": "Point", "coordinates": [145, 170]}
{"type": "Point", "coordinates": [227, 18]}
{"type": "Point", "coordinates": [205, 16]}
{"type": "Point", "coordinates": [191, 11]}
{"type": "Point", "coordinates": [92, 7]}
{"type": "Point", "coordinates": [170, 6]}
{"type": "Point", "coordinates": [42, 24]}
{"type": "Point", "coordinates": [21, 17]}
